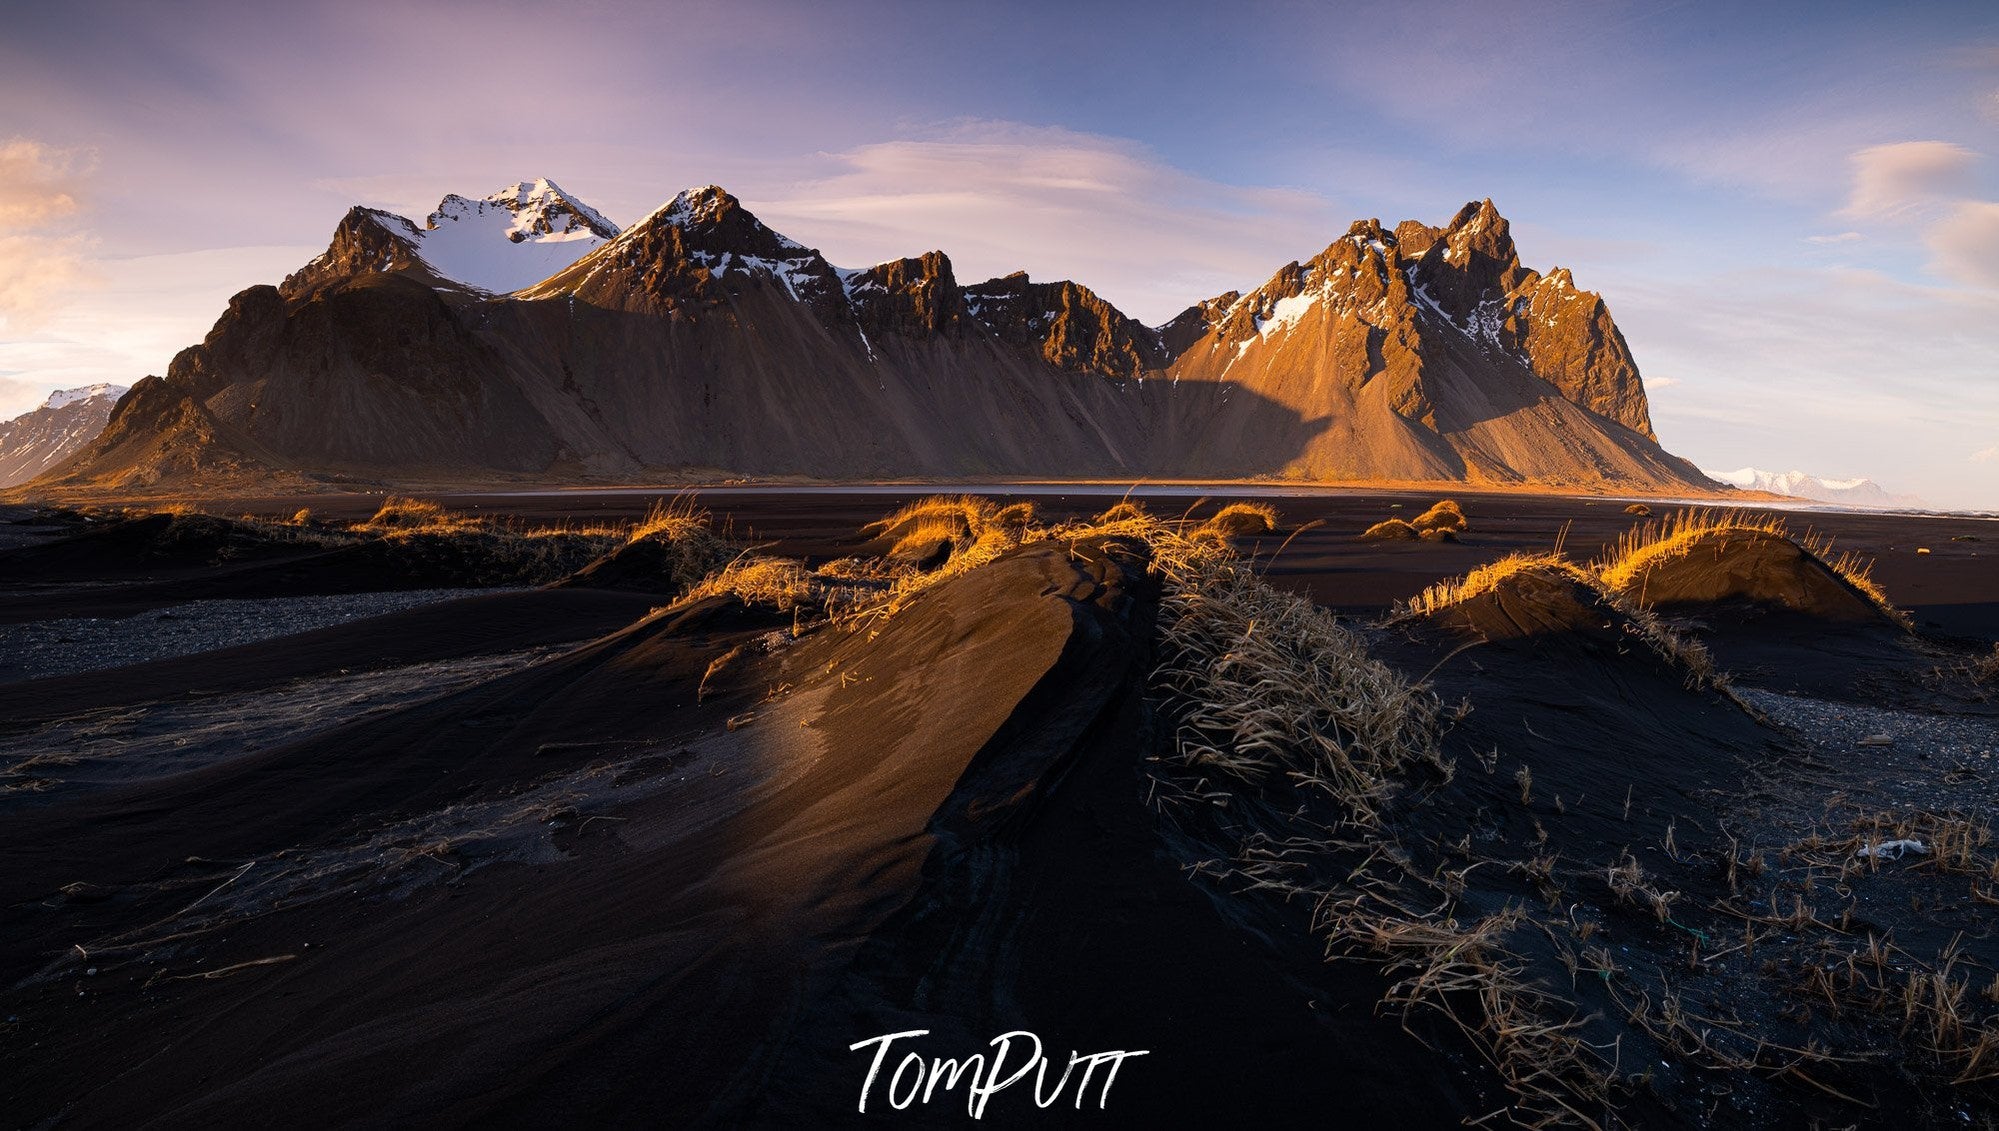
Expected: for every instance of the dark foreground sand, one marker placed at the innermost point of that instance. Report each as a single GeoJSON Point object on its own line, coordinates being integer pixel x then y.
{"type": "Point", "coordinates": [535, 857]}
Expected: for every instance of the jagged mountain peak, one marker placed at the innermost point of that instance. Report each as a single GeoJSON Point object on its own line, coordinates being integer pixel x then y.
{"type": "Point", "coordinates": [539, 208]}
{"type": "Point", "coordinates": [710, 220]}
{"type": "Point", "coordinates": [1472, 261]}
{"type": "Point", "coordinates": [711, 208]}
{"type": "Point", "coordinates": [690, 254]}
{"type": "Point", "coordinates": [1067, 324]}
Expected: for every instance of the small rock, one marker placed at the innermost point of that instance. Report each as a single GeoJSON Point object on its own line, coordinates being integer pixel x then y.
{"type": "Point", "coordinates": [1877, 740]}
{"type": "Point", "coordinates": [1922, 549]}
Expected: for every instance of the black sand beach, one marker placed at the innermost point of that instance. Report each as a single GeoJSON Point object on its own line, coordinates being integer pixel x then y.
{"type": "Point", "coordinates": [556, 855]}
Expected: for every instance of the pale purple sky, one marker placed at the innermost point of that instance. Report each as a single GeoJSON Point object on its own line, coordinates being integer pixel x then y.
{"type": "Point", "coordinates": [1793, 210]}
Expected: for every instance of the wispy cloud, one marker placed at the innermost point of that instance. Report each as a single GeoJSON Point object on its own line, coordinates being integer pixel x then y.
{"type": "Point", "coordinates": [1985, 455]}
{"type": "Point", "coordinates": [1837, 237]}
{"type": "Point", "coordinates": [1895, 181]}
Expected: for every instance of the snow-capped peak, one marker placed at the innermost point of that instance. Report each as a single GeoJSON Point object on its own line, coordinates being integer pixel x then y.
{"type": "Point", "coordinates": [706, 205]}
{"type": "Point", "coordinates": [511, 239]}
{"type": "Point", "coordinates": [700, 204]}
{"type": "Point", "coordinates": [539, 208]}
{"type": "Point", "coordinates": [63, 398]}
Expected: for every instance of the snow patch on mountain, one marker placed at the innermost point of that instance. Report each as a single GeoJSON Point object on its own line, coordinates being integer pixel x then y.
{"type": "Point", "coordinates": [36, 441]}
{"type": "Point", "coordinates": [63, 398]}
{"type": "Point", "coordinates": [508, 241]}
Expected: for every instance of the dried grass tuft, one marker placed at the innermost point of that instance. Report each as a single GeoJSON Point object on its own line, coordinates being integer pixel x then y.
{"type": "Point", "coordinates": [1266, 683]}
{"type": "Point", "coordinates": [950, 523]}
{"type": "Point", "coordinates": [1684, 531]}
{"type": "Point", "coordinates": [399, 514]}
{"type": "Point", "coordinates": [1124, 511]}
{"type": "Point", "coordinates": [1681, 651]}
{"type": "Point", "coordinates": [1239, 520]}
{"type": "Point", "coordinates": [1985, 669]}
{"type": "Point", "coordinates": [1445, 514]}
{"type": "Point", "coordinates": [1020, 514]}
{"type": "Point", "coordinates": [1391, 530]}
{"type": "Point", "coordinates": [780, 583]}
{"type": "Point", "coordinates": [672, 521]}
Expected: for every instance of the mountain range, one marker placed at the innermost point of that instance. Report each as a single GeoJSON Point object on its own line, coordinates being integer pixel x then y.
{"type": "Point", "coordinates": [36, 441]}
{"type": "Point", "coordinates": [523, 337]}
{"type": "Point", "coordinates": [1846, 492]}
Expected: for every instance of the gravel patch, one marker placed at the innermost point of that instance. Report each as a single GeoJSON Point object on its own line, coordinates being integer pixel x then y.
{"type": "Point", "coordinates": [39, 649]}
{"type": "Point", "coordinates": [1929, 760]}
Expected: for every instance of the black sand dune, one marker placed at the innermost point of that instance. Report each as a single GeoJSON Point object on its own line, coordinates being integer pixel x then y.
{"type": "Point", "coordinates": [892, 843]}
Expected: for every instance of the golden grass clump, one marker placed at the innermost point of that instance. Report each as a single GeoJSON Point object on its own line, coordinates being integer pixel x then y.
{"type": "Point", "coordinates": [401, 515]}
{"type": "Point", "coordinates": [690, 549]}
{"type": "Point", "coordinates": [1683, 652]}
{"type": "Point", "coordinates": [1238, 520]}
{"type": "Point", "coordinates": [672, 521]}
{"type": "Point", "coordinates": [838, 589]}
{"type": "Point", "coordinates": [1019, 514]}
{"type": "Point", "coordinates": [781, 583]}
{"type": "Point", "coordinates": [1488, 578]}
{"type": "Point", "coordinates": [1445, 514]}
{"type": "Point", "coordinates": [855, 569]}
{"type": "Point", "coordinates": [1124, 511]}
{"type": "Point", "coordinates": [1391, 530]}
{"type": "Point", "coordinates": [1652, 543]}
{"type": "Point", "coordinates": [940, 526]}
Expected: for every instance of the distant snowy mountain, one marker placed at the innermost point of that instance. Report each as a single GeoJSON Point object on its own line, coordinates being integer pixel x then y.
{"type": "Point", "coordinates": [1846, 492]}
{"type": "Point", "coordinates": [36, 441]}
{"type": "Point", "coordinates": [498, 244]}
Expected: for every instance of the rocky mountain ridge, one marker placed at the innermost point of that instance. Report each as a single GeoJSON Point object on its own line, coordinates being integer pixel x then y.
{"type": "Point", "coordinates": [699, 341]}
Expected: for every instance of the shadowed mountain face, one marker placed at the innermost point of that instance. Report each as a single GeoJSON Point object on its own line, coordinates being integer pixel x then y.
{"type": "Point", "coordinates": [700, 342]}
